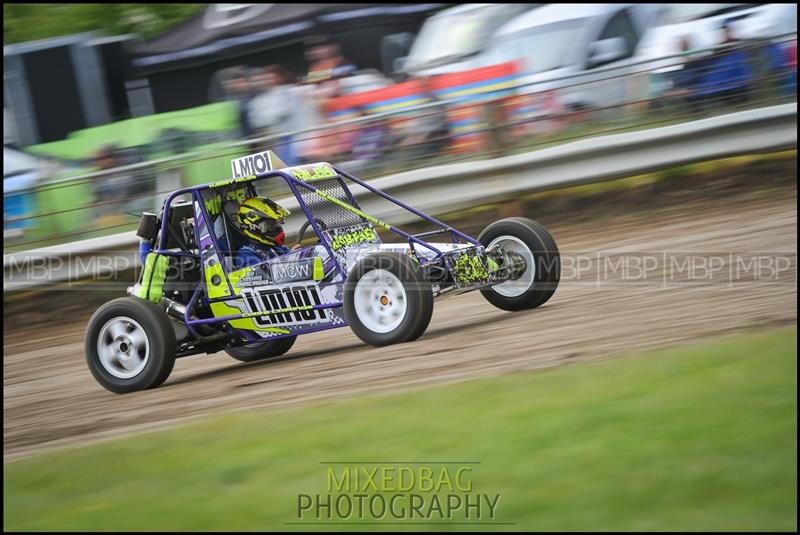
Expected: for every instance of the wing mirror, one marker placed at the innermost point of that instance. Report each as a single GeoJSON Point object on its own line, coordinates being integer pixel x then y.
{"type": "Point", "coordinates": [606, 51]}
{"type": "Point", "coordinates": [399, 63]}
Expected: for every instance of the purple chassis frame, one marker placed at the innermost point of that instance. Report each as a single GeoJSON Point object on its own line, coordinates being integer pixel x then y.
{"type": "Point", "coordinates": [293, 183]}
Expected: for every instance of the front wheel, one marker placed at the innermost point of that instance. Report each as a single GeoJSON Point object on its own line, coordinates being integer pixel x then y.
{"type": "Point", "coordinates": [386, 299]}
{"type": "Point", "coordinates": [130, 345]}
{"type": "Point", "coordinates": [262, 350]}
{"type": "Point", "coordinates": [539, 280]}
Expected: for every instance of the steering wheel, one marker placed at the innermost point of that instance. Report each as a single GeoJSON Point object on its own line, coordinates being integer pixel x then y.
{"type": "Point", "coordinates": [304, 227]}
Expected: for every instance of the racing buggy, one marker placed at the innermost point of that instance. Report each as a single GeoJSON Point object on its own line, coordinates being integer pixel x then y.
{"type": "Point", "coordinates": [191, 299]}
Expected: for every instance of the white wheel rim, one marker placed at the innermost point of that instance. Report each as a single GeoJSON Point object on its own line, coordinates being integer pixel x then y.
{"type": "Point", "coordinates": [516, 287]}
{"type": "Point", "coordinates": [123, 347]}
{"type": "Point", "coordinates": [380, 301]}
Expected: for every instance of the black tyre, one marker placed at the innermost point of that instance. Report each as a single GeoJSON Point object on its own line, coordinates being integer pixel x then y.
{"type": "Point", "coordinates": [130, 345]}
{"type": "Point", "coordinates": [539, 281]}
{"type": "Point", "coordinates": [386, 300]}
{"type": "Point", "coordinates": [262, 350]}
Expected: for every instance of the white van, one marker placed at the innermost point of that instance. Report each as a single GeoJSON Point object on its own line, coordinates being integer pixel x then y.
{"type": "Point", "coordinates": [451, 40]}
{"type": "Point", "coordinates": [583, 51]}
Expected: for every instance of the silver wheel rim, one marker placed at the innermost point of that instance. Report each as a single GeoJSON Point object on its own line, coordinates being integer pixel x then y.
{"type": "Point", "coordinates": [516, 287]}
{"type": "Point", "coordinates": [380, 301]}
{"type": "Point", "coordinates": [123, 347]}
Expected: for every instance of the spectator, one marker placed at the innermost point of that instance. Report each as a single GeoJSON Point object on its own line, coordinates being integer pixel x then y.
{"type": "Point", "coordinates": [777, 69]}
{"type": "Point", "coordinates": [321, 85]}
{"type": "Point", "coordinates": [672, 80]}
{"type": "Point", "coordinates": [237, 88]}
{"type": "Point", "coordinates": [369, 146]}
{"type": "Point", "coordinates": [775, 59]}
{"type": "Point", "coordinates": [791, 65]}
{"type": "Point", "coordinates": [686, 78]}
{"type": "Point", "coordinates": [426, 133]}
{"type": "Point", "coordinates": [287, 109]}
{"type": "Point", "coordinates": [326, 63]}
{"type": "Point", "coordinates": [728, 78]}
{"type": "Point", "coordinates": [111, 189]}
{"type": "Point", "coordinates": [685, 51]}
{"type": "Point", "coordinates": [275, 109]}
{"type": "Point", "coordinates": [326, 67]}
{"type": "Point", "coordinates": [723, 78]}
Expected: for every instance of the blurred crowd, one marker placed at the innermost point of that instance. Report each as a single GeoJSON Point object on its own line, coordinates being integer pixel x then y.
{"type": "Point", "coordinates": [731, 75]}
{"type": "Point", "coordinates": [272, 100]}
{"type": "Point", "coordinates": [275, 103]}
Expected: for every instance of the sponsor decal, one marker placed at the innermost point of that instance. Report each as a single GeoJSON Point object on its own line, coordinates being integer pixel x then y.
{"type": "Point", "coordinates": [352, 236]}
{"type": "Point", "coordinates": [213, 203]}
{"type": "Point", "coordinates": [230, 181]}
{"type": "Point", "coordinates": [288, 305]}
{"type": "Point", "coordinates": [250, 276]}
{"type": "Point", "coordinates": [469, 268]}
{"type": "Point", "coordinates": [300, 270]}
{"type": "Point", "coordinates": [313, 172]}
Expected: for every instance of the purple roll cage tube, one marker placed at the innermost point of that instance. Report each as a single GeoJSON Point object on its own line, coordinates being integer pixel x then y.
{"type": "Point", "coordinates": [293, 185]}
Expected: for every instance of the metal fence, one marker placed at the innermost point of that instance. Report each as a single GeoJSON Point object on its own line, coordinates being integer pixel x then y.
{"type": "Point", "coordinates": [527, 117]}
{"type": "Point", "coordinates": [456, 186]}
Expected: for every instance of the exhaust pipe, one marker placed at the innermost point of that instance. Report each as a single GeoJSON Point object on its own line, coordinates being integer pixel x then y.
{"type": "Point", "coordinates": [174, 309]}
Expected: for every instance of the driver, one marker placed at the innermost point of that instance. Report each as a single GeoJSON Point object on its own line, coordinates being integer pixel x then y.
{"type": "Point", "coordinates": [261, 220]}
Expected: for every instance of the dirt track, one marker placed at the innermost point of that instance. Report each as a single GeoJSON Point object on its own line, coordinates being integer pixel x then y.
{"type": "Point", "coordinates": [51, 399]}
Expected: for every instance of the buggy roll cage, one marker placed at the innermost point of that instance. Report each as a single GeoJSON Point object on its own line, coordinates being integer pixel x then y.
{"type": "Point", "coordinates": [295, 183]}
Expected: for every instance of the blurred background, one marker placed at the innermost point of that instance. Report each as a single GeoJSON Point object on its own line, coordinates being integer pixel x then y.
{"type": "Point", "coordinates": [633, 132]}
{"type": "Point", "coordinates": [108, 107]}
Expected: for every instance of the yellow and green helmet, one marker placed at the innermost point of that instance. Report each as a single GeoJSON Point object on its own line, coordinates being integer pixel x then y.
{"type": "Point", "coordinates": [260, 219]}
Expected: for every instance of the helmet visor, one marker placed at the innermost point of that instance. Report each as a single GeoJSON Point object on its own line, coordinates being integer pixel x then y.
{"type": "Point", "coordinates": [269, 227]}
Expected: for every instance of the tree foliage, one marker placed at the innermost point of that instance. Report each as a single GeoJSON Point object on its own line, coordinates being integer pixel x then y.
{"type": "Point", "coordinates": [29, 22]}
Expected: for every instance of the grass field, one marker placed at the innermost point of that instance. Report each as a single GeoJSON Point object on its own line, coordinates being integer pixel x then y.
{"type": "Point", "coordinates": [697, 437]}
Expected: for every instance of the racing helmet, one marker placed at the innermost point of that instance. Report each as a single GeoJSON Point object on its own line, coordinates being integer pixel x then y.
{"type": "Point", "coordinates": [260, 219]}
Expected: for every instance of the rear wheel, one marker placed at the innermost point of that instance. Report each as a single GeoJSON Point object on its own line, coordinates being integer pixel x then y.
{"type": "Point", "coordinates": [262, 350]}
{"type": "Point", "coordinates": [538, 282]}
{"type": "Point", "coordinates": [386, 300]}
{"type": "Point", "coordinates": [130, 345]}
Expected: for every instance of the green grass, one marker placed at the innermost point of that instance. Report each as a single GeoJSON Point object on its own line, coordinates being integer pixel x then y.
{"type": "Point", "coordinates": [698, 437]}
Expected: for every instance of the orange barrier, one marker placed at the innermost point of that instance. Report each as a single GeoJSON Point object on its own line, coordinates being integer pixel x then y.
{"type": "Point", "coordinates": [467, 118]}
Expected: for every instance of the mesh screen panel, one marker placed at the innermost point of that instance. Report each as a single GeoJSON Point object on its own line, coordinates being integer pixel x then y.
{"type": "Point", "coordinates": [331, 214]}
